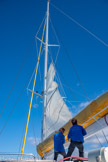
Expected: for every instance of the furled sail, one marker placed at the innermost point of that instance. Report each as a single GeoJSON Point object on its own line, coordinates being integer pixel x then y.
{"type": "Point", "coordinates": [98, 125]}
{"type": "Point", "coordinates": [57, 113]}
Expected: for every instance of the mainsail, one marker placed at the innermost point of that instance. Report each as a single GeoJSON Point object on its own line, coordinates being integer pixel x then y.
{"type": "Point", "coordinates": [57, 113]}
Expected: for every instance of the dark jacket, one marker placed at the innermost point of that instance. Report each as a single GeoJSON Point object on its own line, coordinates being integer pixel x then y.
{"type": "Point", "coordinates": [59, 140]}
{"type": "Point", "coordinates": [76, 133]}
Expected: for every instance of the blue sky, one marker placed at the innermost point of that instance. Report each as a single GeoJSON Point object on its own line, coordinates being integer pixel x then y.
{"type": "Point", "coordinates": [19, 23]}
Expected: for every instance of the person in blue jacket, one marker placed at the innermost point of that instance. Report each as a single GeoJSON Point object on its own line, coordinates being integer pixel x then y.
{"type": "Point", "coordinates": [75, 135]}
{"type": "Point", "coordinates": [59, 140]}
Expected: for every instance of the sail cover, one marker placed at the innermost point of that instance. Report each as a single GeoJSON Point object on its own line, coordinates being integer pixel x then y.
{"type": "Point", "coordinates": [57, 113]}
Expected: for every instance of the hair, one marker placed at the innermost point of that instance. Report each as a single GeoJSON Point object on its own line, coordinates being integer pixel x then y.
{"type": "Point", "coordinates": [74, 121]}
{"type": "Point", "coordinates": [62, 129]}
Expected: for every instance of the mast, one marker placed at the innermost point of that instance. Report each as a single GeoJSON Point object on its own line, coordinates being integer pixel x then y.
{"type": "Point", "coordinates": [45, 69]}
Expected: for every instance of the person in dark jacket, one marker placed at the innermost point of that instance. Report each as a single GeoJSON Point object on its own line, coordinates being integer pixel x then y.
{"type": "Point", "coordinates": [75, 135]}
{"type": "Point", "coordinates": [59, 140]}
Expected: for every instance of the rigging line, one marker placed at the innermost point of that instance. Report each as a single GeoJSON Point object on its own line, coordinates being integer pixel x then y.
{"type": "Point", "coordinates": [31, 77]}
{"type": "Point", "coordinates": [84, 28]}
{"type": "Point", "coordinates": [39, 65]}
{"type": "Point", "coordinates": [40, 25]}
{"type": "Point", "coordinates": [1, 131]}
{"type": "Point", "coordinates": [57, 74]}
{"type": "Point", "coordinates": [74, 90]}
{"type": "Point", "coordinates": [73, 101]}
{"type": "Point", "coordinates": [66, 83]}
{"type": "Point", "coordinates": [32, 123]}
{"type": "Point", "coordinates": [22, 132]}
{"type": "Point", "coordinates": [32, 93]}
{"type": "Point", "coordinates": [25, 57]}
{"type": "Point", "coordinates": [57, 55]}
{"type": "Point", "coordinates": [33, 129]}
{"type": "Point", "coordinates": [21, 141]}
{"type": "Point", "coordinates": [49, 101]}
{"type": "Point", "coordinates": [98, 140]}
{"type": "Point", "coordinates": [54, 30]}
{"type": "Point", "coordinates": [61, 84]}
{"type": "Point", "coordinates": [105, 136]}
{"type": "Point", "coordinates": [68, 56]}
{"type": "Point", "coordinates": [56, 38]}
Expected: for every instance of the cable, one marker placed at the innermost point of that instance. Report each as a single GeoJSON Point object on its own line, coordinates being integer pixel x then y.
{"type": "Point", "coordinates": [57, 40]}
{"type": "Point", "coordinates": [40, 26]}
{"type": "Point", "coordinates": [84, 28]}
{"type": "Point", "coordinates": [1, 131]}
{"type": "Point", "coordinates": [74, 91]}
{"type": "Point", "coordinates": [25, 57]}
{"type": "Point", "coordinates": [66, 83]}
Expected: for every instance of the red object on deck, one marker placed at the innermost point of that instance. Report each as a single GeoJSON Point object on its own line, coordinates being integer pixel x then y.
{"type": "Point", "coordinates": [74, 157]}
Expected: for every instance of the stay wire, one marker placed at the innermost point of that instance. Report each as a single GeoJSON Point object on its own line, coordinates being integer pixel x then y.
{"type": "Point", "coordinates": [74, 91]}
{"type": "Point", "coordinates": [57, 56]}
{"type": "Point", "coordinates": [1, 131]}
{"type": "Point", "coordinates": [56, 38]}
{"type": "Point", "coordinates": [39, 65]}
{"type": "Point", "coordinates": [84, 28]}
{"type": "Point", "coordinates": [68, 56]}
{"type": "Point", "coordinates": [23, 132]}
{"type": "Point", "coordinates": [105, 137]}
{"type": "Point", "coordinates": [66, 83]}
{"type": "Point", "coordinates": [25, 57]}
{"type": "Point", "coordinates": [40, 25]}
{"type": "Point", "coordinates": [98, 140]}
{"type": "Point", "coordinates": [57, 74]}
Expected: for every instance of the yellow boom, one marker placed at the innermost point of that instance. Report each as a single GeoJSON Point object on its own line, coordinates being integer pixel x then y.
{"type": "Point", "coordinates": [97, 108]}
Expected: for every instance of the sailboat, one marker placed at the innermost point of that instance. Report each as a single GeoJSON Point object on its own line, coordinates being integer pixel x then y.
{"type": "Point", "coordinates": [55, 111]}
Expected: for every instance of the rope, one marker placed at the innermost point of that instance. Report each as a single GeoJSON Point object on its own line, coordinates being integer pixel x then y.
{"type": "Point", "coordinates": [32, 94]}
{"type": "Point", "coordinates": [84, 28]}
{"type": "Point", "coordinates": [74, 157]}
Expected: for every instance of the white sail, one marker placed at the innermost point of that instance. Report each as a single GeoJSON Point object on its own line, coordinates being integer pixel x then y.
{"type": "Point", "coordinates": [57, 113]}
{"type": "Point", "coordinates": [100, 124]}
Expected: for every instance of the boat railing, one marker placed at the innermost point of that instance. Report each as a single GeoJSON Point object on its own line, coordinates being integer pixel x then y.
{"type": "Point", "coordinates": [17, 157]}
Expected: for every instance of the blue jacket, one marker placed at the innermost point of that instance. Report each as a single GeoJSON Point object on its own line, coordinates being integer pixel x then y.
{"type": "Point", "coordinates": [59, 140]}
{"type": "Point", "coordinates": [76, 133]}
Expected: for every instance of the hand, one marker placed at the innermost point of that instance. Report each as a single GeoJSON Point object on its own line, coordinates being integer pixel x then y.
{"type": "Point", "coordinates": [69, 139]}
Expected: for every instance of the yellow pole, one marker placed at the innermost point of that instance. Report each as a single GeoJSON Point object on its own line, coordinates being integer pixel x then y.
{"type": "Point", "coordinates": [32, 94]}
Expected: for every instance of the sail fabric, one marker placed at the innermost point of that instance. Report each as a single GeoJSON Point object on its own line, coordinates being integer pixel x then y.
{"type": "Point", "coordinates": [57, 113]}
{"type": "Point", "coordinates": [100, 124]}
